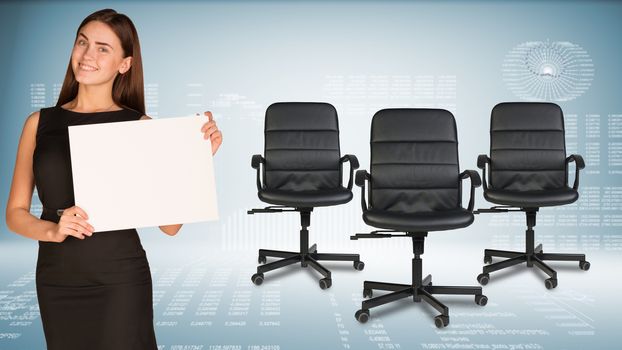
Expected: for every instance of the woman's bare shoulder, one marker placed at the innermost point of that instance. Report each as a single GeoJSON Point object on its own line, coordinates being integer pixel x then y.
{"type": "Point", "coordinates": [31, 123]}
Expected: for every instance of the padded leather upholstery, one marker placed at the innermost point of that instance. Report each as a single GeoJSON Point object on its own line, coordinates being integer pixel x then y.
{"type": "Point", "coordinates": [302, 154]}
{"type": "Point", "coordinates": [419, 222]}
{"type": "Point", "coordinates": [414, 181]}
{"type": "Point", "coordinates": [528, 153]}
{"type": "Point", "coordinates": [527, 147]}
{"type": "Point", "coordinates": [303, 199]}
{"type": "Point", "coordinates": [414, 161]}
{"type": "Point", "coordinates": [532, 199]}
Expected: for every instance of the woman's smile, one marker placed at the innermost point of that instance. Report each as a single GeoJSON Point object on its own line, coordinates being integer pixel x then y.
{"type": "Point", "coordinates": [88, 68]}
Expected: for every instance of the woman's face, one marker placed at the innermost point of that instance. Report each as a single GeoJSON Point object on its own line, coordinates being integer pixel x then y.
{"type": "Point", "coordinates": [97, 55]}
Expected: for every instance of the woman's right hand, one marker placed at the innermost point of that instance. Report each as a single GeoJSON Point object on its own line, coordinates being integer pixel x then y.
{"type": "Point", "coordinates": [72, 223]}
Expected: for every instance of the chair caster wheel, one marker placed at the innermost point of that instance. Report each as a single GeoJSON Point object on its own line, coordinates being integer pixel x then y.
{"type": "Point", "coordinates": [550, 283]}
{"type": "Point", "coordinates": [584, 265]}
{"type": "Point", "coordinates": [483, 278]}
{"type": "Point", "coordinates": [262, 259]}
{"type": "Point", "coordinates": [325, 283]}
{"type": "Point", "coordinates": [359, 265]}
{"type": "Point", "coordinates": [487, 259]}
{"type": "Point", "coordinates": [441, 321]}
{"type": "Point", "coordinates": [481, 300]}
{"type": "Point", "coordinates": [362, 315]}
{"type": "Point", "coordinates": [257, 278]}
{"type": "Point", "coordinates": [368, 293]}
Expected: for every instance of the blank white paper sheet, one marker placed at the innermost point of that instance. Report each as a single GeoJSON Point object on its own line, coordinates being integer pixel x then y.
{"type": "Point", "coordinates": [143, 173]}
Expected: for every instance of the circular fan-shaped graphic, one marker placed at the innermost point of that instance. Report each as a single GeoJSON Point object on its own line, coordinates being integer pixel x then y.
{"type": "Point", "coordinates": [545, 71]}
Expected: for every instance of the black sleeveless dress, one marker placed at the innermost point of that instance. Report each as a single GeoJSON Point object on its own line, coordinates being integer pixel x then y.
{"type": "Point", "coordinates": [94, 293]}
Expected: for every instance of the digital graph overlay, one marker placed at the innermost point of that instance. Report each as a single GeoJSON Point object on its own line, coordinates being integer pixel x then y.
{"type": "Point", "coordinates": [548, 71]}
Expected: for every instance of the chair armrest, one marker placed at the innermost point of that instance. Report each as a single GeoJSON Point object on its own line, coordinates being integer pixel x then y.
{"type": "Point", "coordinates": [475, 182]}
{"type": "Point", "coordinates": [256, 162]}
{"type": "Point", "coordinates": [354, 164]}
{"type": "Point", "coordinates": [577, 159]}
{"type": "Point", "coordinates": [482, 160]}
{"type": "Point", "coordinates": [361, 176]}
{"type": "Point", "coordinates": [579, 164]}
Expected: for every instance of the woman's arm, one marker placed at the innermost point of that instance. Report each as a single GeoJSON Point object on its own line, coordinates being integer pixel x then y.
{"type": "Point", "coordinates": [171, 230]}
{"type": "Point", "coordinates": [18, 217]}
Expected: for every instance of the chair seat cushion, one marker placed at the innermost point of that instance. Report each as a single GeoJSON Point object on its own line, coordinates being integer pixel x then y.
{"type": "Point", "coordinates": [419, 222]}
{"type": "Point", "coordinates": [300, 199]}
{"type": "Point", "coordinates": [535, 199]}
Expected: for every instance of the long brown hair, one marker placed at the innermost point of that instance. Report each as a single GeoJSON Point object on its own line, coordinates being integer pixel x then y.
{"type": "Point", "coordinates": [128, 88]}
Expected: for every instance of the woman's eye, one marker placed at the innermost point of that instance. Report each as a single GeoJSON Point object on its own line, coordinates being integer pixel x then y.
{"type": "Point", "coordinates": [103, 49]}
{"type": "Point", "coordinates": [81, 42]}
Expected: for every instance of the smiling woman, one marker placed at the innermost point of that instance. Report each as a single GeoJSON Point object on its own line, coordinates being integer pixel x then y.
{"type": "Point", "coordinates": [94, 288]}
{"type": "Point", "coordinates": [105, 49]}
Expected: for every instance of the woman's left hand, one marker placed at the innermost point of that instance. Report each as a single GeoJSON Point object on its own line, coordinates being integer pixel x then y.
{"type": "Point", "coordinates": [210, 130]}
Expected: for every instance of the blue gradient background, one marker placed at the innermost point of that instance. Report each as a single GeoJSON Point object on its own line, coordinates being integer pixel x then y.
{"type": "Point", "coordinates": [263, 52]}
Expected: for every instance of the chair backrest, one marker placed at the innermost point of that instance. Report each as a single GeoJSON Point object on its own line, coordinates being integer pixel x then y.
{"type": "Point", "coordinates": [527, 147]}
{"type": "Point", "coordinates": [414, 161]}
{"type": "Point", "coordinates": [301, 147]}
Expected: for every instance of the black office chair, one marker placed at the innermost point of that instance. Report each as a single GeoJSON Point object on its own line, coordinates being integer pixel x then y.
{"type": "Point", "coordinates": [528, 169]}
{"type": "Point", "coordinates": [414, 187]}
{"type": "Point", "coordinates": [302, 169]}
